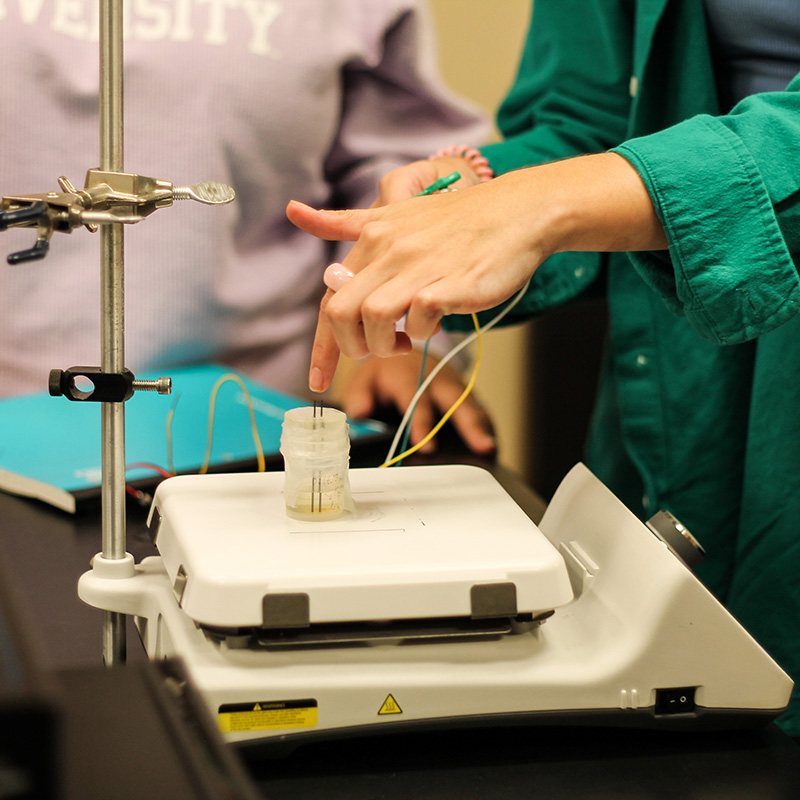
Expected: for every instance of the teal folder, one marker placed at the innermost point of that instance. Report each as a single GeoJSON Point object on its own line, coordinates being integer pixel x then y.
{"type": "Point", "coordinates": [50, 446]}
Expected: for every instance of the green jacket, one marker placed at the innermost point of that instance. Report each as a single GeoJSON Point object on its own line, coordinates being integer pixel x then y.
{"type": "Point", "coordinates": [699, 406]}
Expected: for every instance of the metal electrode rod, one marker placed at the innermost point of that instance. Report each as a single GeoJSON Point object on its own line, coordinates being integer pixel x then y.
{"type": "Point", "coordinates": [112, 266]}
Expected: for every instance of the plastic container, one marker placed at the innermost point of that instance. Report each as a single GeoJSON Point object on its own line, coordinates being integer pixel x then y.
{"type": "Point", "coordinates": [315, 443]}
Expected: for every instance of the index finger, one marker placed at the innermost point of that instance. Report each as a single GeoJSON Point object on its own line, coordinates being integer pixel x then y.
{"type": "Point", "coordinates": [324, 353]}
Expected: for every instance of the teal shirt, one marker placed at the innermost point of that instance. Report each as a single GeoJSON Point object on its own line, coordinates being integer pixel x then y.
{"type": "Point", "coordinates": [699, 406]}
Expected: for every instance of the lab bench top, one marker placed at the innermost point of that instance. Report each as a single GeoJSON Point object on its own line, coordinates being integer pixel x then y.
{"type": "Point", "coordinates": [45, 551]}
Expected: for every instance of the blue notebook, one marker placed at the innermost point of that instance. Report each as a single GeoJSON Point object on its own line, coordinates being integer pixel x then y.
{"type": "Point", "coordinates": [50, 447]}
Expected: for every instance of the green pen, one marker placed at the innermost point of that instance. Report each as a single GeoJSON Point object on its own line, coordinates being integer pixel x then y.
{"type": "Point", "coordinates": [442, 183]}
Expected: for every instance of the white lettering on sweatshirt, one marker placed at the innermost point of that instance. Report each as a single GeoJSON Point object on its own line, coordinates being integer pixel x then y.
{"type": "Point", "coordinates": [156, 20]}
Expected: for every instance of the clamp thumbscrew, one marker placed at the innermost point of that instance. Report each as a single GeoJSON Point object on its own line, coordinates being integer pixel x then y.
{"type": "Point", "coordinates": [160, 385]}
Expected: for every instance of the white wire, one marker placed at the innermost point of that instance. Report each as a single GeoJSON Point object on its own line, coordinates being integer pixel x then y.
{"type": "Point", "coordinates": [451, 354]}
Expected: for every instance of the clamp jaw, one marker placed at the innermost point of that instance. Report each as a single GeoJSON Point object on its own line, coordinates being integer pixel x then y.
{"type": "Point", "coordinates": [107, 197]}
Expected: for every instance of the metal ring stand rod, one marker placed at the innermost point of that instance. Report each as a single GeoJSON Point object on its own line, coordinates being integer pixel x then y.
{"type": "Point", "coordinates": [110, 199]}
{"type": "Point", "coordinates": [112, 266]}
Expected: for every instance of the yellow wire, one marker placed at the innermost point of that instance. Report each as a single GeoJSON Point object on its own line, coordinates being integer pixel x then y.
{"type": "Point", "coordinates": [253, 427]}
{"type": "Point", "coordinates": [170, 415]}
{"type": "Point", "coordinates": [450, 411]}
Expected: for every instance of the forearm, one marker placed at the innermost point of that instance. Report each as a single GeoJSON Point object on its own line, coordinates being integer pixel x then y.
{"type": "Point", "coordinates": [595, 203]}
{"type": "Point", "coordinates": [590, 203]}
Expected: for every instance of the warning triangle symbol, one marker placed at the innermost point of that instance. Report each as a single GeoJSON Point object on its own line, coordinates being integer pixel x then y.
{"type": "Point", "coordinates": [390, 706]}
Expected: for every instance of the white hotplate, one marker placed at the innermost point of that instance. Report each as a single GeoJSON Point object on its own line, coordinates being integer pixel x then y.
{"type": "Point", "coordinates": [420, 541]}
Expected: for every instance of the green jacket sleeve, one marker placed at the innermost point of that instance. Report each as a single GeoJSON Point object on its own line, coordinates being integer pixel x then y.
{"type": "Point", "coordinates": [571, 97]}
{"type": "Point", "coordinates": [727, 190]}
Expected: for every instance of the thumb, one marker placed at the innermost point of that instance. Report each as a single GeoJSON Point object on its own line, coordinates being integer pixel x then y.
{"type": "Point", "coordinates": [335, 225]}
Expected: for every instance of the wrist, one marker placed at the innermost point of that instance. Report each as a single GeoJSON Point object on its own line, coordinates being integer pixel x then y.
{"type": "Point", "coordinates": [601, 203]}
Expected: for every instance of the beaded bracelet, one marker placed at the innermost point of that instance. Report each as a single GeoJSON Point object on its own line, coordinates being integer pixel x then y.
{"type": "Point", "coordinates": [478, 162]}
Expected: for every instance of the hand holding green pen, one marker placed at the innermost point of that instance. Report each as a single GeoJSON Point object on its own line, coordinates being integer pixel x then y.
{"type": "Point", "coordinates": [336, 275]}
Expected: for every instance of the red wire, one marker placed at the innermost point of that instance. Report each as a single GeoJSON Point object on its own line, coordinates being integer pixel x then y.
{"type": "Point", "coordinates": [153, 467]}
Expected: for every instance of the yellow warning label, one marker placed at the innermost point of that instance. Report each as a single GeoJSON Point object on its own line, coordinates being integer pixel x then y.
{"type": "Point", "coordinates": [264, 716]}
{"type": "Point", "coordinates": [390, 706]}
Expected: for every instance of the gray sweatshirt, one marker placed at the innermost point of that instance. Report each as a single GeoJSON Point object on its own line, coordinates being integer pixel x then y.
{"type": "Point", "coordinates": [305, 99]}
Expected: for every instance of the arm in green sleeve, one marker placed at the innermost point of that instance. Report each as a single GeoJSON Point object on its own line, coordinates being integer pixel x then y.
{"type": "Point", "coordinates": [727, 190]}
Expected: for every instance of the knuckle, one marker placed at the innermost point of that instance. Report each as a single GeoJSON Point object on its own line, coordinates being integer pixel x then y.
{"type": "Point", "coordinates": [376, 310]}
{"type": "Point", "coordinates": [339, 315]}
{"type": "Point", "coordinates": [428, 307]}
{"type": "Point", "coordinates": [371, 233]}
{"type": "Point", "coordinates": [428, 303]}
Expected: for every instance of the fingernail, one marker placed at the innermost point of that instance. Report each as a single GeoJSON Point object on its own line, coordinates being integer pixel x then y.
{"type": "Point", "coordinates": [336, 276]}
{"type": "Point", "coordinates": [315, 382]}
